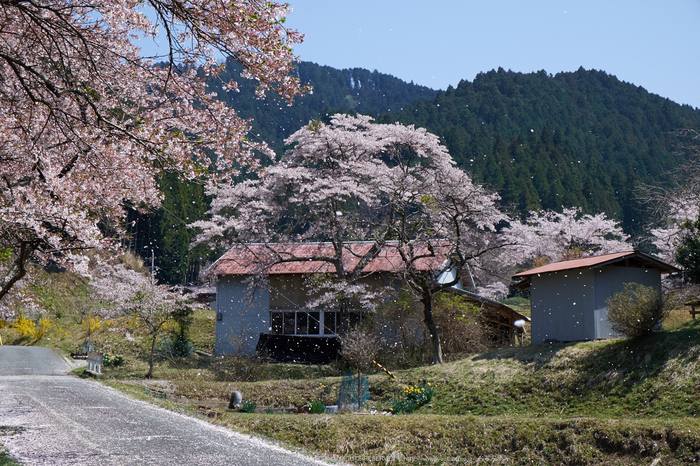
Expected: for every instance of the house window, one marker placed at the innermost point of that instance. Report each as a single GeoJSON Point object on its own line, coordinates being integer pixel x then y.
{"type": "Point", "coordinates": [303, 322]}
{"type": "Point", "coordinates": [329, 323]}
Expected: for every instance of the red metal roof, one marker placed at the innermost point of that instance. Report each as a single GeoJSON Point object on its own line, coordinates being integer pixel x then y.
{"type": "Point", "coordinates": [597, 261]}
{"type": "Point", "coordinates": [278, 259]}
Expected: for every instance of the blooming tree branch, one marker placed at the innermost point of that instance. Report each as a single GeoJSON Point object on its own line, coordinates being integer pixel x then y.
{"type": "Point", "coordinates": [88, 124]}
{"type": "Point", "coordinates": [129, 293]}
{"type": "Point", "coordinates": [553, 236]}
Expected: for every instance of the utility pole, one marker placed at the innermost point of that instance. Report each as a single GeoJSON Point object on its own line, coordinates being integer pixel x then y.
{"type": "Point", "coordinates": [153, 258]}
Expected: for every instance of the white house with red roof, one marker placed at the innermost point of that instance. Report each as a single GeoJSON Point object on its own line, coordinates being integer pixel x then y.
{"type": "Point", "coordinates": [274, 318]}
{"type": "Point", "coordinates": [568, 299]}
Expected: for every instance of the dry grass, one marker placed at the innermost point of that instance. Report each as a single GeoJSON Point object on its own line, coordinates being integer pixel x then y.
{"type": "Point", "coordinates": [434, 439]}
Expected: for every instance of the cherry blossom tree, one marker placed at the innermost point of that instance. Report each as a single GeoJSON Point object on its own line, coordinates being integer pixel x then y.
{"type": "Point", "coordinates": [677, 207]}
{"type": "Point", "coordinates": [126, 292]}
{"type": "Point", "coordinates": [320, 191]}
{"type": "Point", "coordinates": [89, 124]}
{"type": "Point", "coordinates": [393, 186]}
{"type": "Point", "coordinates": [669, 234]}
{"type": "Point", "coordinates": [435, 211]}
{"type": "Point", "coordinates": [548, 236]}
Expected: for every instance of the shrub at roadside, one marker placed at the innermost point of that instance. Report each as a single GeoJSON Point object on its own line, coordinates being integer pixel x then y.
{"type": "Point", "coordinates": [414, 396]}
{"type": "Point", "coordinates": [114, 360]}
{"type": "Point", "coordinates": [359, 349]}
{"type": "Point", "coordinates": [25, 327]}
{"type": "Point", "coordinates": [636, 311]}
{"type": "Point", "coordinates": [30, 329]}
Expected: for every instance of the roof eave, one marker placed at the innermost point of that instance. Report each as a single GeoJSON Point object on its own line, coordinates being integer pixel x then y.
{"type": "Point", "coordinates": [662, 266]}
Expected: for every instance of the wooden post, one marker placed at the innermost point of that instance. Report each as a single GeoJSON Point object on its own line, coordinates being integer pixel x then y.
{"type": "Point", "coordinates": [693, 311]}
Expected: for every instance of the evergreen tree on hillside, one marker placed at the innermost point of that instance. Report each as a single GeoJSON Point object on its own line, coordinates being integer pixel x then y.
{"type": "Point", "coordinates": [541, 141]}
{"type": "Point", "coordinates": [353, 90]}
{"type": "Point", "coordinates": [582, 138]}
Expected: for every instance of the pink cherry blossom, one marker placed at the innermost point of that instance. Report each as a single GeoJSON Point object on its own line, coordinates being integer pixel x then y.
{"type": "Point", "coordinates": [88, 124]}
{"type": "Point", "coordinates": [554, 236]}
{"type": "Point", "coordinates": [391, 185]}
{"type": "Point", "coordinates": [127, 292]}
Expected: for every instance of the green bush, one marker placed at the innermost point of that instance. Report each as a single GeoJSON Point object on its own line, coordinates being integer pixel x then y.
{"type": "Point", "coordinates": [413, 398]}
{"type": "Point", "coordinates": [401, 406]}
{"type": "Point", "coordinates": [636, 311]}
{"type": "Point", "coordinates": [182, 348]}
{"type": "Point", "coordinates": [248, 407]}
{"type": "Point", "coordinates": [114, 360]}
{"type": "Point", "coordinates": [317, 407]}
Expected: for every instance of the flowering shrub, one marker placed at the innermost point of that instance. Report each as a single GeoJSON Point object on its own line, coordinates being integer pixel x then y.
{"type": "Point", "coordinates": [419, 394]}
{"type": "Point", "coordinates": [414, 396]}
{"type": "Point", "coordinates": [112, 360]}
{"type": "Point", "coordinates": [91, 323]}
{"type": "Point", "coordinates": [28, 328]}
{"type": "Point", "coordinates": [42, 327]}
{"type": "Point", "coordinates": [25, 327]}
{"type": "Point", "coordinates": [326, 389]}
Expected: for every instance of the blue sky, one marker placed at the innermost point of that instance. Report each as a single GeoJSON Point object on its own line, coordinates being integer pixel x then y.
{"type": "Point", "coordinates": [436, 43]}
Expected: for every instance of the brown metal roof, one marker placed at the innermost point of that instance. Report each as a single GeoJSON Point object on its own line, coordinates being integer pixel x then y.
{"type": "Point", "coordinates": [599, 261]}
{"type": "Point", "coordinates": [279, 259]}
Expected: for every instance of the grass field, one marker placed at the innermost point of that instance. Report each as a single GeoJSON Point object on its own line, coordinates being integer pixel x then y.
{"type": "Point", "coordinates": [606, 402]}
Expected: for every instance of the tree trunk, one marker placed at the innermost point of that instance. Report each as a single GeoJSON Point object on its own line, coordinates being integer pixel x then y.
{"type": "Point", "coordinates": [427, 300]}
{"type": "Point", "coordinates": [150, 359]}
{"type": "Point", "coordinates": [18, 269]}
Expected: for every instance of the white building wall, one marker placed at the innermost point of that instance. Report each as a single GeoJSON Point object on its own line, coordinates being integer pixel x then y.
{"type": "Point", "coordinates": [240, 320]}
{"type": "Point", "coordinates": [562, 306]}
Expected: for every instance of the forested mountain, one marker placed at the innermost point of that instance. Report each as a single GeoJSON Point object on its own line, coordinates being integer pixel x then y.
{"type": "Point", "coordinates": [334, 91]}
{"type": "Point", "coordinates": [573, 139]}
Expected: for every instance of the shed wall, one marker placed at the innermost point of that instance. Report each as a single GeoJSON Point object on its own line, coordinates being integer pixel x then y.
{"type": "Point", "coordinates": [242, 320]}
{"type": "Point", "coordinates": [609, 280]}
{"type": "Point", "coordinates": [562, 306]}
{"type": "Point", "coordinates": [572, 305]}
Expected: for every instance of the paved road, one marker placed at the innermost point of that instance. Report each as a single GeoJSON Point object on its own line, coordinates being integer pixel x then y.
{"type": "Point", "coordinates": [68, 420]}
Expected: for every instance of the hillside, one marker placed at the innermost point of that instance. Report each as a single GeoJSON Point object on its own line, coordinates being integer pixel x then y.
{"type": "Point", "coordinates": [542, 141]}
{"type": "Point", "coordinates": [607, 402]}
{"type": "Point", "coordinates": [573, 139]}
{"type": "Point", "coordinates": [334, 91]}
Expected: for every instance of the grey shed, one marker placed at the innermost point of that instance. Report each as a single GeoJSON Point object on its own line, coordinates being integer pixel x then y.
{"type": "Point", "coordinates": [568, 299]}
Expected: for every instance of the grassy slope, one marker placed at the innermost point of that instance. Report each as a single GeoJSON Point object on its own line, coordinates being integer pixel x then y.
{"type": "Point", "coordinates": [614, 402]}
{"type": "Point", "coordinates": [608, 402]}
